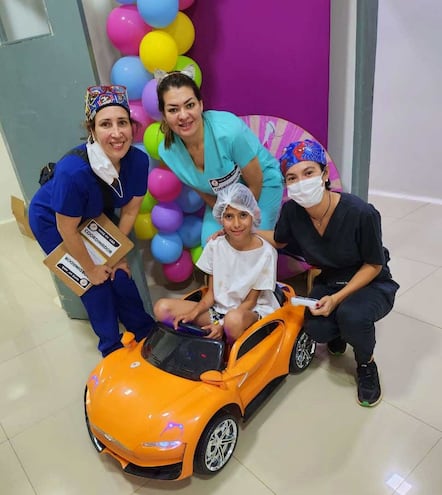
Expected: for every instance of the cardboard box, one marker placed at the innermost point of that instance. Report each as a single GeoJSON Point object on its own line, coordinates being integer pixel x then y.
{"type": "Point", "coordinates": [105, 244]}
{"type": "Point", "coordinates": [19, 211]}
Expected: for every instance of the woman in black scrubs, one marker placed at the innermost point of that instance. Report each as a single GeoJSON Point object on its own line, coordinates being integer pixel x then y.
{"type": "Point", "coordinates": [340, 234]}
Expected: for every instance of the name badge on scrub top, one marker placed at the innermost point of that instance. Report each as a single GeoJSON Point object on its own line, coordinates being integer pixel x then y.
{"type": "Point", "coordinates": [221, 182]}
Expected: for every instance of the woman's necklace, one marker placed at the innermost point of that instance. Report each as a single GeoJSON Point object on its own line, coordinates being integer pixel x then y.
{"type": "Point", "coordinates": [319, 220]}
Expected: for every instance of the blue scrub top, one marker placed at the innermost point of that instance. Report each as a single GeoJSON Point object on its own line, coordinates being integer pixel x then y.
{"type": "Point", "coordinates": [74, 191]}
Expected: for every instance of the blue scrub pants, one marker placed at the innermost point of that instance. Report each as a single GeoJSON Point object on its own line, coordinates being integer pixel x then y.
{"type": "Point", "coordinates": [114, 301]}
{"type": "Point", "coordinates": [106, 304]}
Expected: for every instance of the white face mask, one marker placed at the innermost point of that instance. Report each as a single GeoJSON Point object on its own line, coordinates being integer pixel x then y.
{"type": "Point", "coordinates": [307, 192]}
{"type": "Point", "coordinates": [103, 167]}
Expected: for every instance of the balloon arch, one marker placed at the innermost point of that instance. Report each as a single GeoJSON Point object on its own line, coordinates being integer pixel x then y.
{"type": "Point", "coordinates": [150, 35]}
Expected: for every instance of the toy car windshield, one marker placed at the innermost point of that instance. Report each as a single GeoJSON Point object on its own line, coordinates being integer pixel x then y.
{"type": "Point", "coordinates": [183, 355]}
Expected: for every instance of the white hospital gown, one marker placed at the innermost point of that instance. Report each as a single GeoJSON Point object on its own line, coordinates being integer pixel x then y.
{"type": "Point", "coordinates": [236, 273]}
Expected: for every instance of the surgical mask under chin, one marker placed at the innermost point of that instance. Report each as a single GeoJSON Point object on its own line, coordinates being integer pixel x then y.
{"type": "Point", "coordinates": [103, 167]}
{"type": "Point", "coordinates": [307, 192]}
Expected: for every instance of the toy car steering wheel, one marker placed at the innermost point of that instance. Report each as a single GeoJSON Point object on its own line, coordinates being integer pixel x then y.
{"type": "Point", "coordinates": [192, 329]}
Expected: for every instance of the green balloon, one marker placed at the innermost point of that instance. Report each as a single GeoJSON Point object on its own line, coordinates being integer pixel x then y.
{"type": "Point", "coordinates": [195, 253]}
{"type": "Point", "coordinates": [148, 203]}
{"type": "Point", "coordinates": [152, 139]}
{"type": "Point", "coordinates": [184, 61]}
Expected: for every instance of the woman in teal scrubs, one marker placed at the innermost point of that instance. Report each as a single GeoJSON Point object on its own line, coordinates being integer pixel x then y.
{"type": "Point", "coordinates": [211, 150]}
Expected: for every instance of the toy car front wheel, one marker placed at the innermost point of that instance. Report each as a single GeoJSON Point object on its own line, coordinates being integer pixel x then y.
{"type": "Point", "coordinates": [217, 443]}
{"type": "Point", "coordinates": [302, 353]}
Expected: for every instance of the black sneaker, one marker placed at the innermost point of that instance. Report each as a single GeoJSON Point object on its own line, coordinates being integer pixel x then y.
{"type": "Point", "coordinates": [337, 346]}
{"type": "Point", "coordinates": [369, 388]}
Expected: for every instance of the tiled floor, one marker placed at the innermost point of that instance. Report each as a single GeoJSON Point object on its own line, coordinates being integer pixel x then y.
{"type": "Point", "coordinates": [311, 438]}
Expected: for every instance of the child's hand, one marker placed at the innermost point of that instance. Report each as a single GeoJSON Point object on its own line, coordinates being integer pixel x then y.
{"type": "Point", "coordinates": [216, 331]}
{"type": "Point", "coordinates": [184, 318]}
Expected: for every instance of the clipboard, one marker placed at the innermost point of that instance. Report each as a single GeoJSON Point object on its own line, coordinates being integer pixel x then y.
{"type": "Point", "coordinates": [105, 243]}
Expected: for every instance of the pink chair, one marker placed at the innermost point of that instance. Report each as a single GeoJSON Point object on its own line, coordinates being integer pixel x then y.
{"type": "Point", "coordinates": [275, 134]}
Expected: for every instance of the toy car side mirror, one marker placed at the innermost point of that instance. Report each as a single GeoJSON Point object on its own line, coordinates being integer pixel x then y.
{"type": "Point", "coordinates": [213, 377]}
{"type": "Point", "coordinates": [128, 339]}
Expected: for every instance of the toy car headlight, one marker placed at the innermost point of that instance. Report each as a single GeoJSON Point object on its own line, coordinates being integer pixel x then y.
{"type": "Point", "coordinates": [164, 445]}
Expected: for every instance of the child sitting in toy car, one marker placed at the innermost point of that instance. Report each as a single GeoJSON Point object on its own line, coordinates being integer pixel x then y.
{"type": "Point", "coordinates": [241, 269]}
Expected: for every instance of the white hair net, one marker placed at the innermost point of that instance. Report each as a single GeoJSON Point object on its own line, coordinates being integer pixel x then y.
{"type": "Point", "coordinates": [240, 197]}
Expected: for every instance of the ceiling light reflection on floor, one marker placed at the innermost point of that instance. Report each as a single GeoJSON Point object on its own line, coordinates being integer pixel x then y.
{"type": "Point", "coordinates": [399, 484]}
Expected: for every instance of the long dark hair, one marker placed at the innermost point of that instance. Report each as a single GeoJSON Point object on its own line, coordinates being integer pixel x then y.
{"type": "Point", "coordinates": [173, 80]}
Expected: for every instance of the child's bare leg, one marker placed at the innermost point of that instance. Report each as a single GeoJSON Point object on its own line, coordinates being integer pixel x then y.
{"type": "Point", "coordinates": [166, 309]}
{"type": "Point", "coordinates": [236, 321]}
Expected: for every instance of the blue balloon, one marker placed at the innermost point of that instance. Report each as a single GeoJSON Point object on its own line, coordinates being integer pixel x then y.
{"type": "Point", "coordinates": [190, 231]}
{"type": "Point", "coordinates": [166, 247]}
{"type": "Point", "coordinates": [130, 72]}
{"type": "Point", "coordinates": [158, 13]}
{"type": "Point", "coordinates": [189, 200]}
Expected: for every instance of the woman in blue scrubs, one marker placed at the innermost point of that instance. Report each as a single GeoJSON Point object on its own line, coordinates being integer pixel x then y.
{"type": "Point", "coordinates": [211, 150]}
{"type": "Point", "coordinates": [94, 178]}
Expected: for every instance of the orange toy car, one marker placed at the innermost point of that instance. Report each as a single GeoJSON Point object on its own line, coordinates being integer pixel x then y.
{"type": "Point", "coordinates": [170, 405]}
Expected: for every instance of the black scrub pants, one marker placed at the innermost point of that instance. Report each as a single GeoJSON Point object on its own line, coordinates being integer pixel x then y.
{"type": "Point", "coordinates": [353, 320]}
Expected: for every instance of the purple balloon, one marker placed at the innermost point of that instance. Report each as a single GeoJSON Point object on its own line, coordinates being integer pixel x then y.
{"type": "Point", "coordinates": [167, 217]}
{"type": "Point", "coordinates": [149, 99]}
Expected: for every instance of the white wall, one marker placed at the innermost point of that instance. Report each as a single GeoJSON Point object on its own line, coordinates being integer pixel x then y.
{"type": "Point", "coordinates": [8, 183]}
{"type": "Point", "coordinates": [342, 87]}
{"type": "Point", "coordinates": [406, 156]}
{"type": "Point", "coordinates": [96, 12]}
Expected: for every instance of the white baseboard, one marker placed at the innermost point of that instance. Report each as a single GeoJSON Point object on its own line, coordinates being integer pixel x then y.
{"type": "Point", "coordinates": [389, 194]}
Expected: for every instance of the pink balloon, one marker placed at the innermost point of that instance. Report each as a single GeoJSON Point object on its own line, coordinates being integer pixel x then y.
{"type": "Point", "coordinates": [126, 28]}
{"type": "Point", "coordinates": [149, 99]}
{"type": "Point", "coordinates": [184, 4]}
{"type": "Point", "coordinates": [163, 184]}
{"type": "Point", "coordinates": [167, 216]}
{"type": "Point", "coordinates": [138, 113]}
{"type": "Point", "coordinates": [181, 270]}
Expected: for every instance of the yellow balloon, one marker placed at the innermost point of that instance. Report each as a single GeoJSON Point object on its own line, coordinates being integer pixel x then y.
{"type": "Point", "coordinates": [152, 139]}
{"type": "Point", "coordinates": [143, 227]}
{"type": "Point", "coordinates": [158, 50]}
{"type": "Point", "coordinates": [182, 31]}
